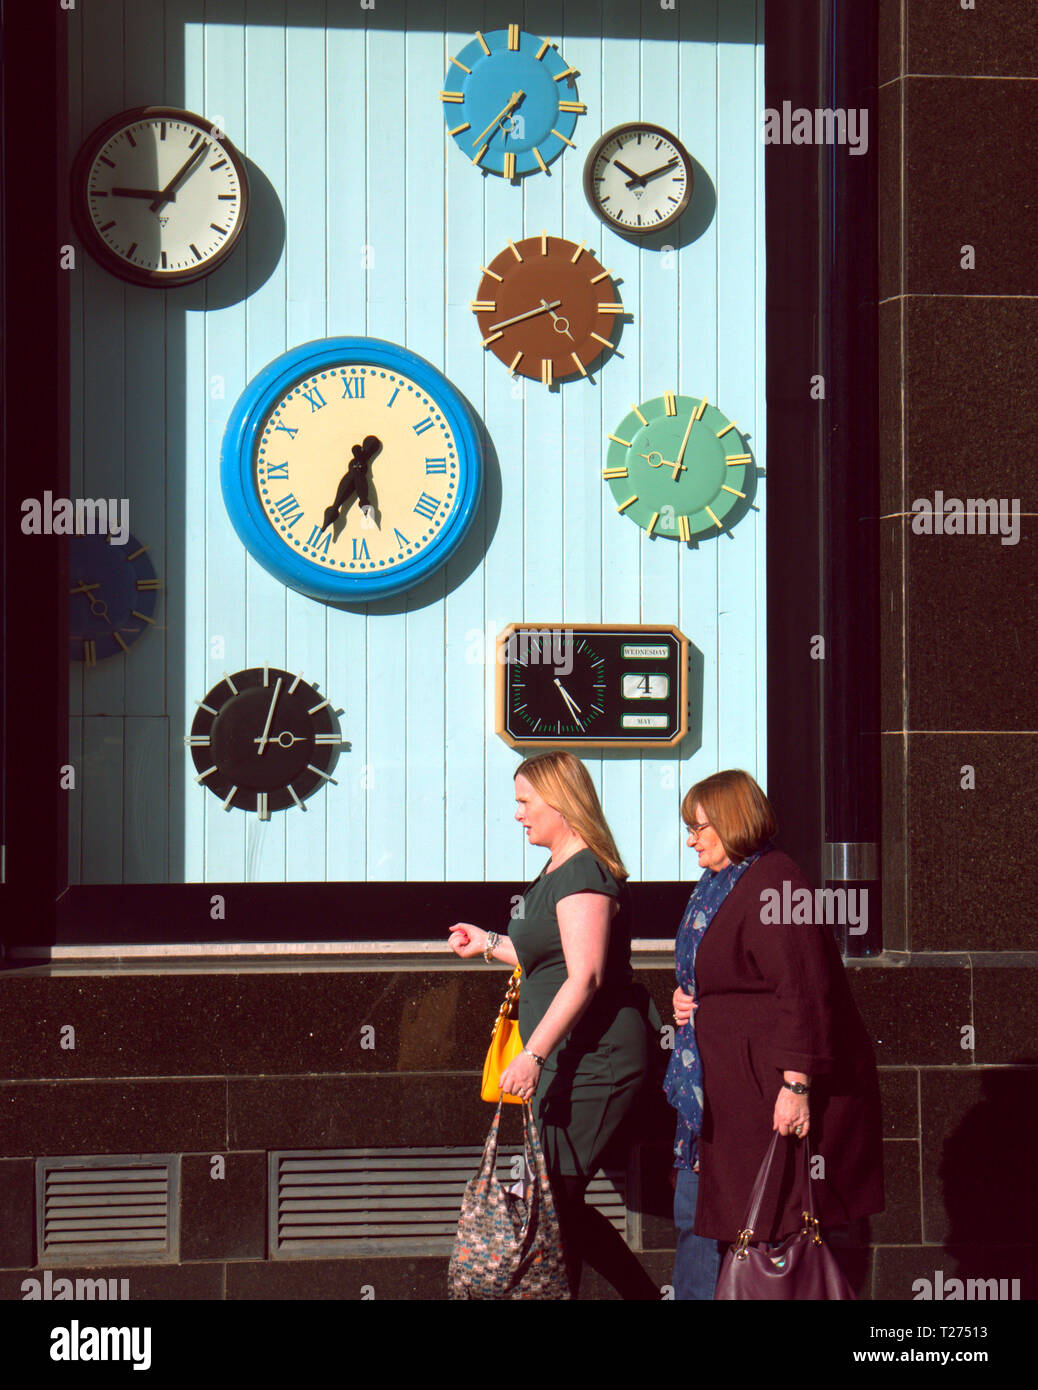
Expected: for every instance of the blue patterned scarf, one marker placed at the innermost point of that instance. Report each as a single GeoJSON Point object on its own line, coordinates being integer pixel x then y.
{"type": "Point", "coordinates": [683, 1085]}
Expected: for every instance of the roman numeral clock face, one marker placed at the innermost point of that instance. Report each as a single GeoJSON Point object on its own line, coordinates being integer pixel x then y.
{"type": "Point", "coordinates": [358, 471]}
{"type": "Point", "coordinates": [159, 196]}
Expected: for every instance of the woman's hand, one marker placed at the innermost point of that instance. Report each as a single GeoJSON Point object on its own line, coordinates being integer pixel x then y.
{"type": "Point", "coordinates": [466, 940]}
{"type": "Point", "coordinates": [521, 1076]}
{"type": "Point", "coordinates": [792, 1115]}
{"type": "Point", "coordinates": [683, 1006]}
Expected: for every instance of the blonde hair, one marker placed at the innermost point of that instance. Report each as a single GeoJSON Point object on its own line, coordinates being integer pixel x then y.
{"type": "Point", "coordinates": [737, 809]}
{"type": "Point", "coordinates": [563, 782]}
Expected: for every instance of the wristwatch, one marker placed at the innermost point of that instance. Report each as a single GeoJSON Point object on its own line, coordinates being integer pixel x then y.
{"type": "Point", "coordinates": [797, 1087]}
{"type": "Point", "coordinates": [538, 1060]}
{"type": "Point", "coordinates": [493, 938]}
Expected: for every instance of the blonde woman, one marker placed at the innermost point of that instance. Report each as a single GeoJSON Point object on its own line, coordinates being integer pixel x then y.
{"type": "Point", "coordinates": [586, 1051]}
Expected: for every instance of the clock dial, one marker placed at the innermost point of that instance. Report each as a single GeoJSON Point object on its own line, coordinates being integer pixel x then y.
{"type": "Point", "coordinates": [159, 196]}
{"type": "Point", "coordinates": [264, 740]}
{"type": "Point", "coordinates": [638, 178]}
{"type": "Point", "coordinates": [113, 591]}
{"type": "Point", "coordinates": [596, 685]}
{"type": "Point", "coordinates": [677, 467]}
{"type": "Point", "coordinates": [547, 308]}
{"type": "Point", "coordinates": [509, 100]}
{"type": "Point", "coordinates": [351, 468]}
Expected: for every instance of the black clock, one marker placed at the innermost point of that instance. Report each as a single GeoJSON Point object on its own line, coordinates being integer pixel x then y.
{"type": "Point", "coordinates": [264, 740]}
{"type": "Point", "coordinates": [598, 685]}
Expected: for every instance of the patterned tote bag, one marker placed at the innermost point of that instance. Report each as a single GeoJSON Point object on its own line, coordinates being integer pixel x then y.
{"type": "Point", "coordinates": [508, 1246]}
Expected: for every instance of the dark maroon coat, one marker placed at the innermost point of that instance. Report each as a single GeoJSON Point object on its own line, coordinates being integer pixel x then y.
{"type": "Point", "coordinates": [775, 998]}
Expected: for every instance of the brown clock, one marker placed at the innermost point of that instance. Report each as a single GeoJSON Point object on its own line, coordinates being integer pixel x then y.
{"type": "Point", "coordinates": [547, 308]}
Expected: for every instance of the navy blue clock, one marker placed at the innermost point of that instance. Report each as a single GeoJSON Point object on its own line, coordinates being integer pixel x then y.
{"type": "Point", "coordinates": [351, 468]}
{"type": "Point", "coordinates": [509, 102]}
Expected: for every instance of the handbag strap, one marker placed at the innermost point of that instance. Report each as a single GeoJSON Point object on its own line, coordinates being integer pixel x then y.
{"type": "Point", "coordinates": [757, 1196]}
{"type": "Point", "coordinates": [489, 1163]}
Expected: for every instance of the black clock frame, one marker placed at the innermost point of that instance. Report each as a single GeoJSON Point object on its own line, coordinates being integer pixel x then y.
{"type": "Point", "coordinates": [813, 512]}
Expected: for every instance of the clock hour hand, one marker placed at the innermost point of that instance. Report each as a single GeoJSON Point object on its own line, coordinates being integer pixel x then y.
{"type": "Point", "coordinates": [135, 192]}
{"type": "Point", "coordinates": [355, 479]}
{"type": "Point", "coordinates": [634, 178]}
{"type": "Point", "coordinates": [541, 308]}
{"type": "Point", "coordinates": [560, 321]}
{"type": "Point", "coordinates": [169, 193]}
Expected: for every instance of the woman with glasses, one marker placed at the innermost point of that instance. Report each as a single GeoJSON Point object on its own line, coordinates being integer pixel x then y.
{"type": "Point", "coordinates": [768, 1039]}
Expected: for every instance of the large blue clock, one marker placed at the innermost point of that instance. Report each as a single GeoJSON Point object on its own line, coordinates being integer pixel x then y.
{"type": "Point", "coordinates": [351, 468]}
{"type": "Point", "coordinates": [509, 102]}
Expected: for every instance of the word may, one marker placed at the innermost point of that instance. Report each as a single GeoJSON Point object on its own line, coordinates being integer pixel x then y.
{"type": "Point", "coordinates": [801, 907]}
{"type": "Point", "coordinates": [823, 126]}
{"type": "Point", "coordinates": [980, 516]}
{"type": "Point", "coordinates": [940, 1288]}
{"type": "Point", "coordinates": [534, 648]}
{"type": "Point", "coordinates": [84, 516]}
{"type": "Point", "coordinates": [80, 1289]}
{"type": "Point", "coordinates": [75, 1343]}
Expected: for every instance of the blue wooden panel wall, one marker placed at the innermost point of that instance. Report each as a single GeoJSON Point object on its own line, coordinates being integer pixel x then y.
{"type": "Point", "coordinates": [385, 227]}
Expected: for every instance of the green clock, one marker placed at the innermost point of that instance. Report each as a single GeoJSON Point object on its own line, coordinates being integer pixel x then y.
{"type": "Point", "coordinates": [678, 468]}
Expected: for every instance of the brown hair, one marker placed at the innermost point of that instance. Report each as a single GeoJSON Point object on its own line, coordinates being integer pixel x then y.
{"type": "Point", "coordinates": [737, 809]}
{"type": "Point", "coordinates": [565, 784]}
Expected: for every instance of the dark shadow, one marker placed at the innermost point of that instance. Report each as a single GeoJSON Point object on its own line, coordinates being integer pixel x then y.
{"type": "Point", "coordinates": [259, 250]}
{"type": "Point", "coordinates": [692, 223]}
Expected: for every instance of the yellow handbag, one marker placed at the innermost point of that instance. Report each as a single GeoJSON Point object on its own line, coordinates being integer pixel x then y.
{"type": "Point", "coordinates": [505, 1043]}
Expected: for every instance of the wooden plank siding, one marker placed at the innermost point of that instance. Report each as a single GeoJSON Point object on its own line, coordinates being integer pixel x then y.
{"type": "Point", "coordinates": [385, 227]}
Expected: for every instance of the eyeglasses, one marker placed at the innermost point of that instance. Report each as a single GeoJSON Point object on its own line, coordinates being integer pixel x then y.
{"type": "Point", "coordinates": [696, 830]}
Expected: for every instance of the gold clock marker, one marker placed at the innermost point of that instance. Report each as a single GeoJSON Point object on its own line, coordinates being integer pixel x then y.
{"type": "Point", "coordinates": [730, 426]}
{"type": "Point", "coordinates": [480, 153]}
{"type": "Point", "coordinates": [683, 528]}
{"type": "Point", "coordinates": [617, 440]}
{"type": "Point", "coordinates": [540, 161]}
{"type": "Point", "coordinates": [571, 143]}
{"type": "Point", "coordinates": [515, 250]}
{"type": "Point", "coordinates": [614, 473]}
{"type": "Point", "coordinates": [482, 43]}
{"type": "Point", "coordinates": [459, 64]}
{"type": "Point", "coordinates": [479, 306]}
{"type": "Point", "coordinates": [509, 169]}
{"type": "Point", "coordinates": [624, 505]}
{"type": "Point", "coordinates": [576, 254]}
{"type": "Point", "coordinates": [726, 488]}
{"type": "Point", "coordinates": [566, 72]}
{"type": "Point", "coordinates": [700, 408]}
{"type": "Point", "coordinates": [513, 38]}
{"type": "Point", "coordinates": [670, 405]}
{"type": "Point", "coordinates": [652, 523]}
{"type": "Point", "coordinates": [544, 242]}
{"type": "Point", "coordinates": [492, 273]}
{"type": "Point", "coordinates": [465, 125]}
{"type": "Point", "coordinates": [599, 339]}
{"type": "Point", "coordinates": [610, 308]}
{"type": "Point", "coordinates": [640, 416]}
{"type": "Point", "coordinates": [580, 366]}
{"type": "Point", "coordinates": [452, 96]}
{"type": "Point", "coordinates": [543, 49]}
{"type": "Point", "coordinates": [578, 108]}
{"type": "Point", "coordinates": [737, 458]}
{"type": "Point", "coordinates": [545, 371]}
{"type": "Point", "coordinates": [713, 518]}
{"type": "Point", "coordinates": [515, 362]}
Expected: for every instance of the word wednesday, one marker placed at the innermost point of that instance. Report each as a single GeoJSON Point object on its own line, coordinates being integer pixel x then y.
{"type": "Point", "coordinates": [82, 516]}
{"type": "Point", "coordinates": [75, 1343]}
{"type": "Point", "coordinates": [802, 908]}
{"type": "Point", "coordinates": [822, 126]}
{"type": "Point", "coordinates": [976, 516]}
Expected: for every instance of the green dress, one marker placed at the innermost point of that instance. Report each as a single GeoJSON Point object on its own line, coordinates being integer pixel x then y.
{"type": "Point", "coordinates": [591, 1079]}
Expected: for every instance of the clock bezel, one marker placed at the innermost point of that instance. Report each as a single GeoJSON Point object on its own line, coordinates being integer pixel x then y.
{"type": "Point", "coordinates": [634, 127]}
{"type": "Point", "coordinates": [238, 468]}
{"type": "Point", "coordinates": [680, 697]}
{"type": "Point", "coordinates": [83, 222]}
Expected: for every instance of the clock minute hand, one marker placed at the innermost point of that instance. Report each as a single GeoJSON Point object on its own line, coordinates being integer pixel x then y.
{"type": "Point", "coordinates": [170, 191]}
{"type": "Point", "coordinates": [635, 178]}
{"type": "Point", "coordinates": [263, 740]}
{"type": "Point", "coordinates": [654, 173]}
{"type": "Point", "coordinates": [574, 708]}
{"type": "Point", "coordinates": [541, 308]}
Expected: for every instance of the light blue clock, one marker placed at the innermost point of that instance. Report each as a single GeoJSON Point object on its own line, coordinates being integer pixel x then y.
{"type": "Point", "coordinates": [509, 101]}
{"type": "Point", "coordinates": [351, 468]}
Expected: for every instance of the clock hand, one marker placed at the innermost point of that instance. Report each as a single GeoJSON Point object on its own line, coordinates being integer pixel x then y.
{"type": "Point", "coordinates": [635, 178]}
{"type": "Point", "coordinates": [544, 305]}
{"type": "Point", "coordinates": [557, 319]}
{"type": "Point", "coordinates": [574, 708]}
{"type": "Point", "coordinates": [354, 479]}
{"type": "Point", "coordinates": [515, 98]}
{"type": "Point", "coordinates": [643, 179]}
{"type": "Point", "coordinates": [135, 192]}
{"type": "Point", "coordinates": [270, 715]}
{"type": "Point", "coordinates": [169, 193]}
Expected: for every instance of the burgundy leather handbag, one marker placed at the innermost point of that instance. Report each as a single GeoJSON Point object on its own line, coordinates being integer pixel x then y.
{"type": "Point", "coordinates": [800, 1267]}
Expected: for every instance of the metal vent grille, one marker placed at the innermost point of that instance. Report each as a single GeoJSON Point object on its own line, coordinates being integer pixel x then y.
{"type": "Point", "coordinates": [389, 1201]}
{"type": "Point", "coordinates": [95, 1210]}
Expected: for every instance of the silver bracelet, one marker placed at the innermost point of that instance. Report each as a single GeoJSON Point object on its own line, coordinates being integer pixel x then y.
{"type": "Point", "coordinates": [538, 1060]}
{"type": "Point", "coordinates": [493, 938]}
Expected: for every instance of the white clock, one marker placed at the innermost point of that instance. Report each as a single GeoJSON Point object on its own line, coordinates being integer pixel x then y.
{"type": "Point", "coordinates": [638, 178]}
{"type": "Point", "coordinates": [159, 196]}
